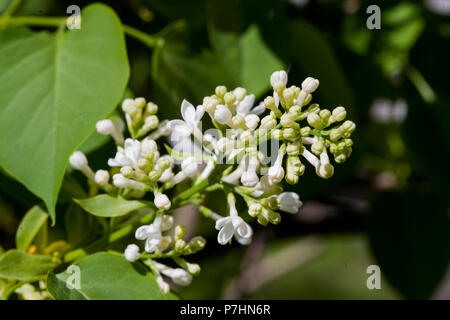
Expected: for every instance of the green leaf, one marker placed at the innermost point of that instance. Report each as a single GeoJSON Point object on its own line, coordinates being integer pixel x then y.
{"type": "Point", "coordinates": [104, 205]}
{"type": "Point", "coordinates": [18, 265]}
{"type": "Point", "coordinates": [249, 59]}
{"type": "Point", "coordinates": [29, 227]}
{"type": "Point", "coordinates": [107, 276]}
{"type": "Point", "coordinates": [54, 89]}
{"type": "Point", "coordinates": [79, 225]}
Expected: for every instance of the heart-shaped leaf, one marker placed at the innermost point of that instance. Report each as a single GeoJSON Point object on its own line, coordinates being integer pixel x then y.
{"type": "Point", "coordinates": [106, 276]}
{"type": "Point", "coordinates": [54, 89]}
{"type": "Point", "coordinates": [104, 205]}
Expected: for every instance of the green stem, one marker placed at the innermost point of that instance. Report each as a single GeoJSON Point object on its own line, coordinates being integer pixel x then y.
{"type": "Point", "coordinates": [11, 290]}
{"type": "Point", "coordinates": [421, 84]}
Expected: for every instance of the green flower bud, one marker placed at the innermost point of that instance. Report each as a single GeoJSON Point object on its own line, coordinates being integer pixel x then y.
{"type": "Point", "coordinates": [291, 178]}
{"type": "Point", "coordinates": [127, 171]}
{"type": "Point", "coordinates": [277, 134]}
{"type": "Point", "coordinates": [295, 110]}
{"type": "Point", "coordinates": [179, 245]}
{"type": "Point", "coordinates": [180, 232]}
{"type": "Point", "coordinates": [294, 149]}
{"type": "Point", "coordinates": [152, 108]}
{"type": "Point", "coordinates": [348, 142]}
{"type": "Point", "coordinates": [317, 147]}
{"type": "Point", "coordinates": [324, 115]}
{"type": "Point", "coordinates": [289, 133]}
{"type": "Point", "coordinates": [139, 102]}
{"type": "Point", "coordinates": [263, 218]}
{"type": "Point", "coordinates": [268, 122]}
{"type": "Point", "coordinates": [154, 175]}
{"type": "Point", "coordinates": [239, 121]}
{"type": "Point", "coordinates": [197, 243]}
{"type": "Point", "coordinates": [314, 120]}
{"type": "Point", "coordinates": [229, 98]}
{"type": "Point", "coordinates": [288, 122]}
{"type": "Point", "coordinates": [274, 217]}
{"type": "Point", "coordinates": [144, 165]}
{"type": "Point", "coordinates": [348, 127]}
{"type": "Point", "coordinates": [339, 113]}
{"type": "Point", "coordinates": [193, 268]}
{"type": "Point", "coordinates": [307, 99]}
{"type": "Point", "coordinates": [271, 202]}
{"type": "Point", "coordinates": [220, 91]}
{"type": "Point", "coordinates": [254, 209]}
{"type": "Point", "coordinates": [336, 134]}
{"type": "Point", "coordinates": [165, 243]}
{"type": "Point", "coordinates": [305, 131]}
{"type": "Point", "coordinates": [340, 158]}
{"type": "Point", "coordinates": [295, 166]}
{"type": "Point", "coordinates": [164, 163]}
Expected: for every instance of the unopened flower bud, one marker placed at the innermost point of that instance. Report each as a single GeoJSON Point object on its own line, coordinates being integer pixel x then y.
{"type": "Point", "coordinates": [289, 133]}
{"type": "Point", "coordinates": [268, 122]}
{"type": "Point", "coordinates": [251, 121]}
{"type": "Point", "coordinates": [314, 120]}
{"type": "Point", "coordinates": [238, 121]}
{"type": "Point", "coordinates": [240, 93]}
{"type": "Point", "coordinates": [139, 102]}
{"type": "Point", "coordinates": [254, 209]}
{"type": "Point", "coordinates": [162, 201]}
{"type": "Point", "coordinates": [229, 98]}
{"type": "Point", "coordinates": [127, 171]}
{"type": "Point", "coordinates": [132, 252]}
{"type": "Point", "coordinates": [180, 231]}
{"type": "Point", "coordinates": [278, 80]}
{"type": "Point", "coordinates": [101, 177]}
{"type": "Point", "coordinates": [305, 131]}
{"type": "Point", "coordinates": [310, 84]}
{"type": "Point", "coordinates": [324, 115]}
{"type": "Point", "coordinates": [277, 134]}
{"type": "Point", "coordinates": [317, 147]}
{"type": "Point", "coordinates": [339, 113]}
{"type": "Point", "coordinates": [223, 115]}
{"type": "Point", "coordinates": [152, 108]}
{"type": "Point", "coordinates": [220, 91]}
{"type": "Point", "coordinates": [291, 178]}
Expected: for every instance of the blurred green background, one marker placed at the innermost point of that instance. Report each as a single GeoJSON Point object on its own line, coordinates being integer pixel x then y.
{"type": "Point", "coordinates": [387, 205]}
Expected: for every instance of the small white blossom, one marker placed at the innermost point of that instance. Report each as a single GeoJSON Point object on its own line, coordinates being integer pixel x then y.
{"type": "Point", "coordinates": [152, 233]}
{"type": "Point", "coordinates": [233, 225]}
{"type": "Point", "coordinates": [191, 119]}
{"type": "Point", "coordinates": [127, 156]}
{"type": "Point", "coordinates": [245, 107]}
{"type": "Point", "coordinates": [132, 252]}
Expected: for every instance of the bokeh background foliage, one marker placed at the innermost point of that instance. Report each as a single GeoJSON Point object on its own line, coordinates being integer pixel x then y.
{"type": "Point", "coordinates": [388, 205]}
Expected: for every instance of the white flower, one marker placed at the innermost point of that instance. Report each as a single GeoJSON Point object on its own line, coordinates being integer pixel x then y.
{"type": "Point", "coordinates": [233, 225]}
{"type": "Point", "coordinates": [108, 127]}
{"type": "Point", "coordinates": [178, 275]}
{"type": "Point", "coordinates": [278, 78]}
{"type": "Point", "coordinates": [190, 166]}
{"type": "Point", "coordinates": [122, 182]}
{"type": "Point", "coordinates": [162, 201]}
{"type": "Point", "coordinates": [152, 233]}
{"type": "Point", "coordinates": [234, 176]}
{"type": "Point", "coordinates": [289, 202]}
{"type": "Point", "coordinates": [166, 175]}
{"type": "Point", "coordinates": [223, 115]}
{"type": "Point", "coordinates": [244, 107]}
{"type": "Point", "coordinates": [101, 177]}
{"type": "Point", "coordinates": [132, 252]}
{"type": "Point", "coordinates": [79, 162]}
{"type": "Point", "coordinates": [276, 172]}
{"type": "Point", "coordinates": [251, 121]}
{"type": "Point", "coordinates": [191, 119]}
{"type": "Point", "coordinates": [128, 156]}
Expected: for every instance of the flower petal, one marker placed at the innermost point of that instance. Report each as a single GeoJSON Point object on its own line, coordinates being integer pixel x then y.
{"type": "Point", "coordinates": [225, 234]}
{"type": "Point", "coordinates": [188, 111]}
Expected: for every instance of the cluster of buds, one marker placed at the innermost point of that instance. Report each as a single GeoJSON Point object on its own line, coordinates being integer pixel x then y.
{"type": "Point", "coordinates": [230, 157]}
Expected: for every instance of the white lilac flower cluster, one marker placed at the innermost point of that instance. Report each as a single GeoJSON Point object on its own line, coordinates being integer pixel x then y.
{"type": "Point", "coordinates": [230, 157]}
